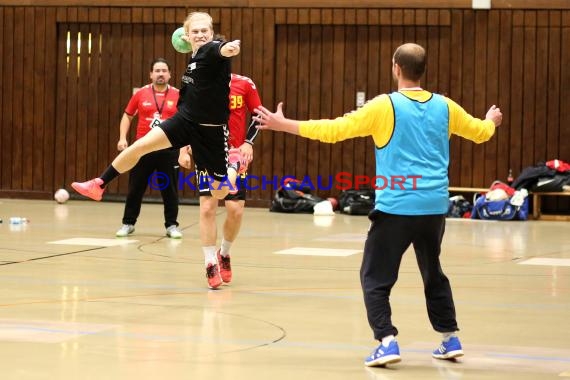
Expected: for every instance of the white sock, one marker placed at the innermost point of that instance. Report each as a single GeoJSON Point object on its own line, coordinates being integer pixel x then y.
{"type": "Point", "coordinates": [225, 248]}
{"type": "Point", "coordinates": [387, 339]}
{"type": "Point", "coordinates": [210, 255]}
{"type": "Point", "coordinates": [448, 335]}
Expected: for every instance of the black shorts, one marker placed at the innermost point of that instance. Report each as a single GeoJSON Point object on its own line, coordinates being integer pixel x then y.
{"type": "Point", "coordinates": [204, 184]}
{"type": "Point", "coordinates": [209, 143]}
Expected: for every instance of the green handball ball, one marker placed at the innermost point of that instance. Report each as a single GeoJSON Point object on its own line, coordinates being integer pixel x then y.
{"type": "Point", "coordinates": [178, 43]}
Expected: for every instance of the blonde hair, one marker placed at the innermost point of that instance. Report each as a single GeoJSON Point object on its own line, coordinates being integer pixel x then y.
{"type": "Point", "coordinates": [198, 15]}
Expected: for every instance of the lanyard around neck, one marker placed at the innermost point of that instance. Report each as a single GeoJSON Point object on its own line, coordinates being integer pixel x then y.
{"type": "Point", "coordinates": [159, 109]}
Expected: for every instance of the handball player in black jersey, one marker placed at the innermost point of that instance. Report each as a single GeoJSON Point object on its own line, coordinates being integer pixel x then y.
{"type": "Point", "coordinates": [201, 120]}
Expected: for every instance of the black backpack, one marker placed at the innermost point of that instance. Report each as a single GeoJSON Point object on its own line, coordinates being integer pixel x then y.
{"type": "Point", "coordinates": [294, 197]}
{"type": "Point", "coordinates": [356, 202]}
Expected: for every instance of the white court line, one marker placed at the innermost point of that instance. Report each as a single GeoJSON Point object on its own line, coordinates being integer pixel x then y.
{"type": "Point", "coordinates": [547, 261]}
{"type": "Point", "coordinates": [359, 238]}
{"type": "Point", "coordinates": [94, 242]}
{"type": "Point", "coordinates": [303, 251]}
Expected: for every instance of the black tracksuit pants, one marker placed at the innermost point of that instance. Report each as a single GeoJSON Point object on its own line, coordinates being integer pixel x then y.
{"type": "Point", "coordinates": [388, 238]}
{"type": "Point", "coordinates": [165, 162]}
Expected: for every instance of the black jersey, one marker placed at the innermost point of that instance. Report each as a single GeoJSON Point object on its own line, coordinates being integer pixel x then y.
{"type": "Point", "coordinates": [205, 90]}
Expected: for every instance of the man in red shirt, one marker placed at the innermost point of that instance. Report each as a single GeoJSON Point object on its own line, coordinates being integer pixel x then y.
{"type": "Point", "coordinates": [152, 104]}
{"type": "Point", "coordinates": [244, 98]}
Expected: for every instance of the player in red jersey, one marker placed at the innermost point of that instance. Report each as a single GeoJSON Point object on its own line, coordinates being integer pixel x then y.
{"type": "Point", "coordinates": [152, 104]}
{"type": "Point", "coordinates": [244, 98]}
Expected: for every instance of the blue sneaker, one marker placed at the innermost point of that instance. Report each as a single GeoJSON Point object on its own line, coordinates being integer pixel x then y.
{"type": "Point", "coordinates": [449, 350]}
{"type": "Point", "coordinates": [384, 355]}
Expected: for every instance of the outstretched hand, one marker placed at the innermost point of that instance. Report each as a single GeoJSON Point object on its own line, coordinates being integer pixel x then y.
{"type": "Point", "coordinates": [270, 120]}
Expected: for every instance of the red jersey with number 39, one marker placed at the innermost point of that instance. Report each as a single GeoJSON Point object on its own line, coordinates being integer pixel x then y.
{"type": "Point", "coordinates": [148, 103]}
{"type": "Point", "coordinates": [244, 98]}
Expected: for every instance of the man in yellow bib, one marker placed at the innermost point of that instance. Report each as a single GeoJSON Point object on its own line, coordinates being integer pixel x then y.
{"type": "Point", "coordinates": [411, 129]}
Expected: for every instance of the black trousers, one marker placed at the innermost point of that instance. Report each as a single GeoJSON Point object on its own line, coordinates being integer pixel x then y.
{"type": "Point", "coordinates": [388, 238]}
{"type": "Point", "coordinates": [164, 162]}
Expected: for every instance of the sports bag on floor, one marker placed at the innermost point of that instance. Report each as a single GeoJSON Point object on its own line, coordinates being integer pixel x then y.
{"type": "Point", "coordinates": [499, 210]}
{"type": "Point", "coordinates": [356, 202]}
{"type": "Point", "coordinates": [294, 197]}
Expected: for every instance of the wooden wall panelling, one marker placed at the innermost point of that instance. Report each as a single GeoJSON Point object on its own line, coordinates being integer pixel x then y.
{"type": "Point", "coordinates": [108, 73]}
{"type": "Point", "coordinates": [60, 108]}
{"type": "Point", "coordinates": [381, 63]}
{"type": "Point", "coordinates": [467, 90]}
{"type": "Point", "coordinates": [170, 16]}
{"type": "Point", "coordinates": [158, 17]}
{"type": "Point", "coordinates": [515, 118]}
{"type": "Point", "coordinates": [303, 16]}
{"type": "Point", "coordinates": [159, 49]}
{"type": "Point", "coordinates": [8, 85]}
{"type": "Point", "coordinates": [444, 62]}
{"type": "Point", "coordinates": [18, 94]}
{"type": "Point", "coordinates": [93, 102]}
{"type": "Point", "coordinates": [47, 121]}
{"type": "Point", "coordinates": [479, 92]}
{"type": "Point", "coordinates": [315, 60]}
{"type": "Point", "coordinates": [542, 88]}
{"type": "Point", "coordinates": [502, 135]}
{"type": "Point", "coordinates": [105, 14]}
{"type": "Point", "coordinates": [70, 84]}
{"type": "Point", "coordinates": [339, 81]}
{"type": "Point", "coordinates": [363, 36]}
{"type": "Point", "coordinates": [131, 58]}
{"type": "Point", "coordinates": [309, 89]}
{"type": "Point", "coordinates": [247, 52]}
{"type": "Point", "coordinates": [527, 77]}
{"type": "Point", "coordinates": [411, 4]}
{"type": "Point", "coordinates": [264, 146]}
{"type": "Point", "coordinates": [376, 63]}
{"type": "Point", "coordinates": [326, 89]}
{"type": "Point", "coordinates": [455, 86]}
{"type": "Point", "coordinates": [429, 37]}
{"type": "Point", "coordinates": [553, 94]}
{"type": "Point", "coordinates": [492, 157]}
{"type": "Point", "coordinates": [120, 65]}
{"type": "Point", "coordinates": [529, 89]}
{"type": "Point", "coordinates": [2, 63]}
{"type": "Point", "coordinates": [292, 145]}
{"type": "Point", "coordinates": [61, 14]}
{"type": "Point", "coordinates": [564, 140]}
{"type": "Point", "coordinates": [237, 33]}
{"type": "Point", "coordinates": [71, 14]}
{"type": "Point", "coordinates": [278, 156]}
{"type": "Point", "coordinates": [300, 92]}
{"type": "Point", "coordinates": [352, 51]}
{"type": "Point", "coordinates": [114, 15]}
{"type": "Point", "coordinates": [225, 27]}
{"type": "Point", "coordinates": [257, 46]}
{"type": "Point", "coordinates": [84, 147]}
{"type": "Point", "coordinates": [24, 151]}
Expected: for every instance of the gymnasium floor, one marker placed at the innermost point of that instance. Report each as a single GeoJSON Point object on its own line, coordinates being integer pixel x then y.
{"type": "Point", "coordinates": [77, 303]}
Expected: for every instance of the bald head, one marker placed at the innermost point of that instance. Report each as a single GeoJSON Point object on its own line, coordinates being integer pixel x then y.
{"type": "Point", "coordinates": [412, 61]}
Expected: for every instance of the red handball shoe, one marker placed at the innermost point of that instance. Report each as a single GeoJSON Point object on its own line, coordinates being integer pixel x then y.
{"type": "Point", "coordinates": [213, 276]}
{"type": "Point", "coordinates": [225, 267]}
{"type": "Point", "coordinates": [90, 189]}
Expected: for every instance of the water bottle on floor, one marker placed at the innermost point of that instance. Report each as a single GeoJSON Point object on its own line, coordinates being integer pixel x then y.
{"type": "Point", "coordinates": [18, 220]}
